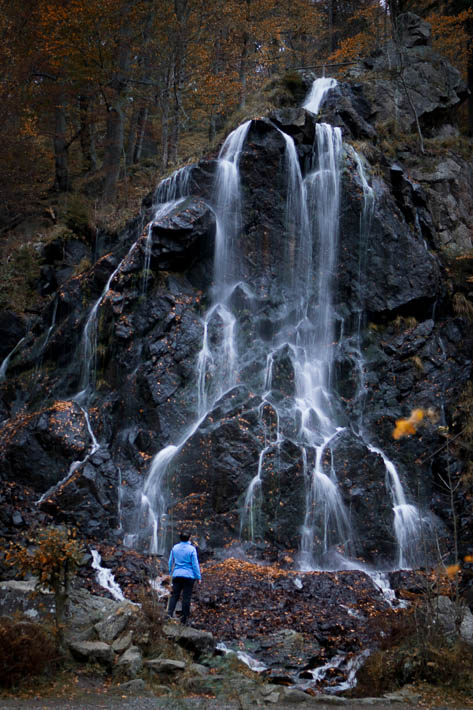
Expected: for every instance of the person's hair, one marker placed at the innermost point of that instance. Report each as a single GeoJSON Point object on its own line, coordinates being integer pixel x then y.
{"type": "Point", "coordinates": [184, 537]}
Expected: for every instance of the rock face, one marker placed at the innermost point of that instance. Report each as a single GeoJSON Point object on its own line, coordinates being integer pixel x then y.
{"type": "Point", "coordinates": [134, 379]}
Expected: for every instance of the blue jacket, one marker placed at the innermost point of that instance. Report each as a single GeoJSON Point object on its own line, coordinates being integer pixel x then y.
{"type": "Point", "coordinates": [183, 561]}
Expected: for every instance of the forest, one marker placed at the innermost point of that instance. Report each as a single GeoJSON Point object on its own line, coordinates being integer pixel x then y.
{"type": "Point", "coordinates": [92, 89]}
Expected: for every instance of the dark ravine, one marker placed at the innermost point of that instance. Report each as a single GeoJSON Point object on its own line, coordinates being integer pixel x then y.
{"type": "Point", "coordinates": [416, 348]}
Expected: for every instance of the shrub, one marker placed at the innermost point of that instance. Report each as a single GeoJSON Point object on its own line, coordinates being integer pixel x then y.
{"type": "Point", "coordinates": [149, 622]}
{"type": "Point", "coordinates": [26, 649]}
{"type": "Point", "coordinates": [433, 662]}
{"type": "Point", "coordinates": [53, 560]}
{"type": "Point", "coordinates": [78, 217]}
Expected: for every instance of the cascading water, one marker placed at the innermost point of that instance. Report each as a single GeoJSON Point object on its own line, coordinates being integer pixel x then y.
{"type": "Point", "coordinates": [87, 353]}
{"type": "Point", "coordinates": [216, 366]}
{"type": "Point", "coordinates": [312, 207]}
{"type": "Point", "coordinates": [170, 193]}
{"type": "Point", "coordinates": [6, 361]}
{"type": "Point", "coordinates": [408, 521]}
{"type": "Point", "coordinates": [326, 522]}
{"type": "Point", "coordinates": [409, 524]}
{"type": "Point", "coordinates": [308, 331]}
{"type": "Point", "coordinates": [317, 94]}
{"type": "Point", "coordinates": [105, 577]}
{"type": "Point", "coordinates": [87, 361]}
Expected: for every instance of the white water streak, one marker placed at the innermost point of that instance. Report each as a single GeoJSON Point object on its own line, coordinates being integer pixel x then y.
{"type": "Point", "coordinates": [5, 363]}
{"type": "Point", "coordinates": [216, 368]}
{"type": "Point", "coordinates": [317, 94]}
{"type": "Point", "coordinates": [105, 577]}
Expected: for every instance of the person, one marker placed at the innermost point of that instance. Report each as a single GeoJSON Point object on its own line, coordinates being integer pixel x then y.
{"type": "Point", "coordinates": [184, 569]}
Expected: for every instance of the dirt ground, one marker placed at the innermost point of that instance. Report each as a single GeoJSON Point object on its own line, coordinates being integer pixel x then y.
{"type": "Point", "coordinates": [107, 699]}
{"type": "Point", "coordinates": [150, 703]}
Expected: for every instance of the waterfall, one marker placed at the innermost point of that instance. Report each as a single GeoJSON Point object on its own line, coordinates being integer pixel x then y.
{"type": "Point", "coordinates": [228, 213]}
{"type": "Point", "coordinates": [216, 364]}
{"type": "Point", "coordinates": [317, 94]}
{"type": "Point", "coordinates": [88, 343]}
{"type": "Point", "coordinates": [312, 208]}
{"type": "Point", "coordinates": [105, 577]}
{"type": "Point", "coordinates": [48, 334]}
{"type": "Point", "coordinates": [170, 193]}
{"type": "Point", "coordinates": [86, 353]}
{"type": "Point", "coordinates": [6, 361]}
{"type": "Point", "coordinates": [408, 522]}
{"type": "Point", "coordinates": [307, 331]}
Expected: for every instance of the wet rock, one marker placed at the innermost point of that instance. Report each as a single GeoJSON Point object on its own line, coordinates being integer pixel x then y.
{"type": "Point", "coordinates": [38, 449]}
{"type": "Point", "coordinates": [284, 649]}
{"type": "Point", "coordinates": [87, 498]}
{"type": "Point", "coordinates": [182, 236]}
{"type": "Point", "coordinates": [12, 329]}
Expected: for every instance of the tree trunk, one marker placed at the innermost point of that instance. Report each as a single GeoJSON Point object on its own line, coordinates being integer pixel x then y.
{"type": "Point", "coordinates": [331, 37]}
{"type": "Point", "coordinates": [176, 124]}
{"type": "Point", "coordinates": [60, 148]}
{"type": "Point", "coordinates": [243, 70]}
{"type": "Point", "coordinates": [116, 114]}
{"type": "Point", "coordinates": [470, 87]}
{"type": "Point", "coordinates": [140, 133]}
{"type": "Point", "coordinates": [131, 142]}
{"type": "Point", "coordinates": [113, 150]}
{"type": "Point", "coordinates": [165, 126]}
{"type": "Point", "coordinates": [89, 157]}
{"type": "Point", "coordinates": [212, 129]}
{"type": "Point", "coordinates": [470, 78]}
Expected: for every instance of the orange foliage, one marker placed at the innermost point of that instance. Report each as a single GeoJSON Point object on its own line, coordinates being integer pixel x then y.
{"type": "Point", "coordinates": [364, 32]}
{"type": "Point", "coordinates": [452, 570]}
{"type": "Point", "coordinates": [406, 427]}
{"type": "Point", "coordinates": [409, 426]}
{"type": "Point", "coordinates": [56, 554]}
{"type": "Point", "coordinates": [451, 37]}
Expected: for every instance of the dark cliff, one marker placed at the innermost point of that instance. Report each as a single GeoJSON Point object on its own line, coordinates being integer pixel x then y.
{"type": "Point", "coordinates": [402, 340]}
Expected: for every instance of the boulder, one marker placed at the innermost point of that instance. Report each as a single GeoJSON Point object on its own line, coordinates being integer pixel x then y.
{"type": "Point", "coordinates": [165, 666]}
{"type": "Point", "coordinates": [12, 329]}
{"type": "Point", "coordinates": [413, 31]}
{"type": "Point", "coordinates": [423, 84]}
{"type": "Point", "coordinates": [92, 651]}
{"type": "Point", "coordinates": [199, 643]}
{"type": "Point", "coordinates": [22, 596]}
{"type": "Point", "coordinates": [455, 619]}
{"type": "Point", "coordinates": [136, 686]}
{"type": "Point", "coordinates": [38, 449]}
{"type": "Point", "coordinates": [182, 235]}
{"type": "Point", "coordinates": [123, 642]}
{"type": "Point", "coordinates": [109, 628]}
{"type": "Point", "coordinates": [130, 663]}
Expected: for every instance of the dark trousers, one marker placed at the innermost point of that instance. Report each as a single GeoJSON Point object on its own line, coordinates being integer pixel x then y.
{"type": "Point", "coordinates": [184, 585]}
